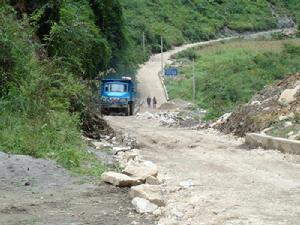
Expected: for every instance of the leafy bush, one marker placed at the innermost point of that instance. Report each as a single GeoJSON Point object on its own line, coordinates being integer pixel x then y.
{"type": "Point", "coordinates": [34, 108]}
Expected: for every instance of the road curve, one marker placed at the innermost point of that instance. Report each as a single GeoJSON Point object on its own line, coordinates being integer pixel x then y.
{"type": "Point", "coordinates": [150, 83]}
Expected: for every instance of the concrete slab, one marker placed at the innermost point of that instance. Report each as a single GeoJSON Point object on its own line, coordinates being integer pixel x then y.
{"type": "Point", "coordinates": [269, 142]}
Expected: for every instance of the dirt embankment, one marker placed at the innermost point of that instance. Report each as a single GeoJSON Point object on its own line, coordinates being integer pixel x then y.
{"type": "Point", "coordinates": [274, 110]}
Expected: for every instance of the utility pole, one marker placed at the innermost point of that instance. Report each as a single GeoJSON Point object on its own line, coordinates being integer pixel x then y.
{"type": "Point", "coordinates": [194, 82]}
{"type": "Point", "coordinates": [144, 45]}
{"type": "Point", "coordinates": [162, 55]}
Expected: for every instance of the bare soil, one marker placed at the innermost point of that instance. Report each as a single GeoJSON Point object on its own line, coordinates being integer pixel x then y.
{"type": "Point", "coordinates": [40, 192]}
{"type": "Point", "coordinates": [228, 183]}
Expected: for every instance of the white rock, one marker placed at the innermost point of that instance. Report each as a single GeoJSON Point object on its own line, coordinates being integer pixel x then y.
{"type": "Point", "coordinates": [143, 205]}
{"type": "Point", "coordinates": [158, 212]}
{"type": "Point", "coordinates": [288, 95]}
{"type": "Point", "coordinates": [288, 124]}
{"type": "Point", "coordinates": [150, 192]}
{"type": "Point", "coordinates": [116, 150]}
{"type": "Point", "coordinates": [186, 184]}
{"type": "Point", "coordinates": [142, 170]}
{"type": "Point", "coordinates": [119, 179]}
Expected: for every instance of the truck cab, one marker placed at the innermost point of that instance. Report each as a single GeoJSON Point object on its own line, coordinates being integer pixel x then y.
{"type": "Point", "coordinates": [117, 96]}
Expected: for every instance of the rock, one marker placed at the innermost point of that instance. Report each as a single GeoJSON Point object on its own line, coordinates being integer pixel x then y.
{"type": "Point", "coordinates": [158, 212]}
{"type": "Point", "coordinates": [143, 205]}
{"type": "Point", "coordinates": [150, 192]}
{"type": "Point", "coordinates": [116, 150]}
{"type": "Point", "coordinates": [288, 124]}
{"type": "Point", "coordinates": [152, 181]}
{"type": "Point", "coordinates": [186, 184]}
{"type": "Point", "coordinates": [288, 95]}
{"type": "Point", "coordinates": [119, 179]}
{"type": "Point", "coordinates": [282, 118]}
{"type": "Point", "coordinates": [142, 170]}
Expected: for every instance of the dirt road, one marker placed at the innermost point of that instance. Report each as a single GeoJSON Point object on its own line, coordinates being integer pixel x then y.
{"type": "Point", "coordinates": [40, 192]}
{"type": "Point", "coordinates": [212, 179]}
{"type": "Point", "coordinates": [149, 79]}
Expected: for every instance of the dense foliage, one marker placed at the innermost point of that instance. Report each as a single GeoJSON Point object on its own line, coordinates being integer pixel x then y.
{"type": "Point", "coordinates": [48, 49]}
{"type": "Point", "coordinates": [182, 21]}
{"type": "Point", "coordinates": [229, 74]}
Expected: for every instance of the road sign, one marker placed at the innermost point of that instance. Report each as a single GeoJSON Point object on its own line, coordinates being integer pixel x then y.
{"type": "Point", "coordinates": [171, 72]}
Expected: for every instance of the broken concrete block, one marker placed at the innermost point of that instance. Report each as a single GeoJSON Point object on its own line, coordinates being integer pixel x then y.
{"type": "Point", "coordinates": [143, 205]}
{"type": "Point", "coordinates": [119, 179]}
{"type": "Point", "coordinates": [150, 192]}
{"type": "Point", "coordinates": [142, 170]}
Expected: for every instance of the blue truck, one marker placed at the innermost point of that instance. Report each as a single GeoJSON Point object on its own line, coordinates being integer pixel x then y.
{"type": "Point", "coordinates": [117, 96]}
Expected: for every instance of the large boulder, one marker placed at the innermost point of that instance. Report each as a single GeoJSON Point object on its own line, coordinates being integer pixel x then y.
{"type": "Point", "coordinates": [119, 179]}
{"type": "Point", "coordinates": [288, 96]}
{"type": "Point", "coordinates": [143, 205]}
{"type": "Point", "coordinates": [152, 193]}
{"type": "Point", "coordinates": [141, 170]}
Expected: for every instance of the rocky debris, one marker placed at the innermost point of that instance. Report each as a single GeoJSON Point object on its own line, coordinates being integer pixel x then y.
{"type": "Point", "coordinates": [129, 141]}
{"type": "Point", "coordinates": [277, 106]}
{"type": "Point", "coordinates": [124, 157]}
{"type": "Point", "coordinates": [142, 170]}
{"type": "Point", "coordinates": [289, 95]}
{"type": "Point", "coordinates": [153, 180]}
{"type": "Point", "coordinates": [289, 32]}
{"type": "Point", "coordinates": [221, 120]}
{"type": "Point", "coordinates": [152, 193]}
{"type": "Point", "coordinates": [119, 179]}
{"type": "Point", "coordinates": [101, 144]}
{"type": "Point", "coordinates": [174, 118]}
{"type": "Point", "coordinates": [143, 205]}
{"type": "Point", "coordinates": [118, 149]}
{"type": "Point", "coordinates": [146, 197]}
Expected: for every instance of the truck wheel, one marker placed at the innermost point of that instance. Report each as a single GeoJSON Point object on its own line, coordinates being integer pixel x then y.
{"type": "Point", "coordinates": [131, 109]}
{"type": "Point", "coordinates": [127, 111]}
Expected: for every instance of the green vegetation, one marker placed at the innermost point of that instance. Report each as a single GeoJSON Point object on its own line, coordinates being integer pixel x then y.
{"type": "Point", "coordinates": [47, 49]}
{"type": "Point", "coordinates": [229, 74]}
{"type": "Point", "coordinates": [183, 21]}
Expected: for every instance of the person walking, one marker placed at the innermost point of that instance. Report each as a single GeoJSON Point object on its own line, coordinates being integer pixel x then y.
{"type": "Point", "coordinates": [154, 102]}
{"type": "Point", "coordinates": [149, 102]}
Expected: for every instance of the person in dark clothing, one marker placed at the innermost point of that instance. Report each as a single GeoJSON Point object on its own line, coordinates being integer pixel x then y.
{"type": "Point", "coordinates": [154, 102]}
{"type": "Point", "coordinates": [149, 101]}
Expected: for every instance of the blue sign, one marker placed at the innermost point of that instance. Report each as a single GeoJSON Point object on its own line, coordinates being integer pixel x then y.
{"type": "Point", "coordinates": [171, 72]}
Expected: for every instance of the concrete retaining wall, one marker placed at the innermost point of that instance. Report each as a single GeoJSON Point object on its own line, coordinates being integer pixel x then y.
{"type": "Point", "coordinates": [268, 142]}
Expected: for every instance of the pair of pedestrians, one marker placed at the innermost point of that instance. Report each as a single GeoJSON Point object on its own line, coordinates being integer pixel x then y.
{"type": "Point", "coordinates": [154, 102]}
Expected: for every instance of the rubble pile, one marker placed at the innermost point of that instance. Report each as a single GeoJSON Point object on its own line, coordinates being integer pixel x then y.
{"type": "Point", "coordinates": [172, 118]}
{"type": "Point", "coordinates": [274, 111]}
{"type": "Point", "coordinates": [138, 174]}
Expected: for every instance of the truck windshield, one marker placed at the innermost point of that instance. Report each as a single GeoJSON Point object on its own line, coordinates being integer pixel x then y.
{"type": "Point", "coordinates": [118, 88]}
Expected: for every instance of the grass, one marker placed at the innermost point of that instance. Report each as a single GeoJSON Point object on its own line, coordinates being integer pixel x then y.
{"type": "Point", "coordinates": [229, 74]}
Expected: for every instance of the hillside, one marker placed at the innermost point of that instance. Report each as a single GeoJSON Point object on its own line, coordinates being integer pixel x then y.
{"type": "Point", "coordinates": [183, 21]}
{"type": "Point", "coordinates": [47, 49]}
{"type": "Point", "coordinates": [274, 110]}
{"type": "Point", "coordinates": [229, 74]}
